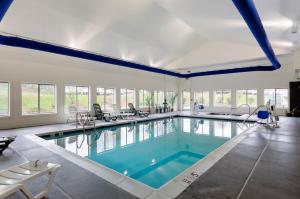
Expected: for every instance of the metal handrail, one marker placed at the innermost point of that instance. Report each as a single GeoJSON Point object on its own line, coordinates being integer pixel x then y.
{"type": "Point", "coordinates": [255, 111]}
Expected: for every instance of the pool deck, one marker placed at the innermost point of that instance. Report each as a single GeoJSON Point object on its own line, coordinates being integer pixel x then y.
{"type": "Point", "coordinates": [265, 164]}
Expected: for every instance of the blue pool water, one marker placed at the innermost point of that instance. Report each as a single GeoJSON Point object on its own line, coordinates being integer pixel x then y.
{"type": "Point", "coordinates": [151, 152]}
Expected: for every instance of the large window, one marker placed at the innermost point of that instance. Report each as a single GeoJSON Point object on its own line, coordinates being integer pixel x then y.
{"type": "Point", "coordinates": [278, 97]}
{"type": "Point", "coordinates": [202, 98]}
{"type": "Point", "coordinates": [38, 99]}
{"type": "Point", "coordinates": [127, 96]}
{"type": "Point", "coordinates": [246, 97]}
{"type": "Point", "coordinates": [171, 98]}
{"type": "Point", "coordinates": [4, 99]}
{"type": "Point", "coordinates": [186, 99]}
{"type": "Point", "coordinates": [106, 97]}
{"type": "Point", "coordinates": [158, 98]}
{"type": "Point", "coordinates": [77, 96]}
{"type": "Point", "coordinates": [222, 98]}
{"type": "Point", "coordinates": [144, 96]}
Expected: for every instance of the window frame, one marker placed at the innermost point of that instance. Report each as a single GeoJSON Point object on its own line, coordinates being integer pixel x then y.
{"type": "Point", "coordinates": [247, 90]}
{"type": "Point", "coordinates": [89, 97]}
{"type": "Point", "coordinates": [275, 97]}
{"type": "Point", "coordinates": [105, 96]}
{"type": "Point", "coordinates": [126, 97]}
{"type": "Point", "coordinates": [155, 97]}
{"type": "Point", "coordinates": [222, 104]}
{"type": "Point", "coordinates": [39, 99]}
{"type": "Point", "coordinates": [143, 98]}
{"type": "Point", "coordinates": [202, 94]}
{"type": "Point", "coordinates": [183, 108]}
{"type": "Point", "coordinates": [8, 100]}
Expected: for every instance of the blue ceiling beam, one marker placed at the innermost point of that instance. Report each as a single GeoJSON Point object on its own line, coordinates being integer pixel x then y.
{"type": "Point", "coordinates": [4, 5]}
{"type": "Point", "coordinates": [246, 8]}
{"type": "Point", "coordinates": [61, 50]}
{"type": "Point", "coordinates": [248, 11]}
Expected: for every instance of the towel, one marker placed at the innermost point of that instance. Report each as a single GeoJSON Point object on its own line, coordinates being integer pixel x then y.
{"type": "Point", "coordinates": [38, 164]}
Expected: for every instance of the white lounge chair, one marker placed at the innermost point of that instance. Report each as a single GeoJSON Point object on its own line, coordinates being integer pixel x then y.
{"type": "Point", "coordinates": [83, 118]}
{"type": "Point", "coordinates": [14, 179]}
{"type": "Point", "coordinates": [123, 115]}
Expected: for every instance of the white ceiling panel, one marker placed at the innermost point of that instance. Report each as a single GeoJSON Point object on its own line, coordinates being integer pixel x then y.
{"type": "Point", "coordinates": [170, 34]}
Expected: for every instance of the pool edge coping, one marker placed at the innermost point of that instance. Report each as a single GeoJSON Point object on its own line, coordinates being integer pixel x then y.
{"type": "Point", "coordinates": [169, 190]}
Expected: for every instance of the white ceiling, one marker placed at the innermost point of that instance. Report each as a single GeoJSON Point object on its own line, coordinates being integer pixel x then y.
{"type": "Point", "coordinates": [171, 34]}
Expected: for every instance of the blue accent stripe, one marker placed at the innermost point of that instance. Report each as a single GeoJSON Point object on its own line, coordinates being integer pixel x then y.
{"type": "Point", "coordinates": [246, 8]}
{"type": "Point", "coordinates": [4, 5]}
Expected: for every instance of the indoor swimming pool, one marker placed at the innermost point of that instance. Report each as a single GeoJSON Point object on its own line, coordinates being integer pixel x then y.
{"type": "Point", "coordinates": [151, 152]}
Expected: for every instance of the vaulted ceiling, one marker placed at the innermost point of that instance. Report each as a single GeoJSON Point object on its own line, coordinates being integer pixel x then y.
{"type": "Point", "coordinates": [175, 35]}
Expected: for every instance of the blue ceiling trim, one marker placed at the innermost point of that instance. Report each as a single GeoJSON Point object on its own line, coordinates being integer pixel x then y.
{"type": "Point", "coordinates": [4, 5]}
{"type": "Point", "coordinates": [230, 71]}
{"type": "Point", "coordinates": [246, 8]}
{"type": "Point", "coordinates": [248, 11]}
{"type": "Point", "coordinates": [46, 47]}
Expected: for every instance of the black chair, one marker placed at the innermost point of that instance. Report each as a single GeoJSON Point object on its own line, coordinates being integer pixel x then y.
{"type": "Point", "coordinates": [137, 112]}
{"type": "Point", "coordinates": [100, 115]}
{"type": "Point", "coordinates": [5, 142]}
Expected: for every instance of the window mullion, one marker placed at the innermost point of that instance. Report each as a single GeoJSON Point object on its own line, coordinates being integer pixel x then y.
{"type": "Point", "coordinates": [39, 98]}
{"type": "Point", "coordinates": [275, 93]}
{"type": "Point", "coordinates": [104, 98]}
{"type": "Point", "coordinates": [76, 96]}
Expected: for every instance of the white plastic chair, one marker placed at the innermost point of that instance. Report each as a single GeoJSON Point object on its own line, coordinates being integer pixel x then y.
{"type": "Point", "coordinates": [15, 178]}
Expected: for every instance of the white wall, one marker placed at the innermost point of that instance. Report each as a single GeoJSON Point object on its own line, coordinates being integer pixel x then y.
{"type": "Point", "coordinates": [252, 80]}
{"type": "Point", "coordinates": [18, 66]}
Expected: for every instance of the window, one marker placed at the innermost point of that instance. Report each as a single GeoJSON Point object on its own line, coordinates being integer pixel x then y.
{"type": "Point", "coordinates": [4, 99]}
{"type": "Point", "coordinates": [144, 96]}
{"type": "Point", "coordinates": [38, 99]}
{"type": "Point", "coordinates": [277, 97]}
{"type": "Point", "coordinates": [186, 99]}
{"type": "Point", "coordinates": [246, 97]}
{"type": "Point", "coordinates": [158, 98]}
{"type": "Point", "coordinates": [127, 96]}
{"type": "Point", "coordinates": [202, 98]}
{"type": "Point", "coordinates": [171, 98]}
{"type": "Point", "coordinates": [77, 96]}
{"type": "Point", "coordinates": [106, 97]}
{"type": "Point", "coordinates": [222, 98]}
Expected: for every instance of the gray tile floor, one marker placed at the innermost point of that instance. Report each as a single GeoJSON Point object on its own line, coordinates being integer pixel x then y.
{"type": "Point", "coordinates": [276, 174]}
{"type": "Point", "coordinates": [273, 156]}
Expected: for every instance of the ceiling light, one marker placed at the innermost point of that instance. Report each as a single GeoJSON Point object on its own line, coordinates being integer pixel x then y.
{"type": "Point", "coordinates": [278, 23]}
{"type": "Point", "coordinates": [283, 43]}
{"type": "Point", "coordinates": [281, 23]}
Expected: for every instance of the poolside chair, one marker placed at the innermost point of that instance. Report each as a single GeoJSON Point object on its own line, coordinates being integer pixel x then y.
{"type": "Point", "coordinates": [84, 118]}
{"type": "Point", "coordinates": [15, 178]}
{"type": "Point", "coordinates": [100, 115]}
{"type": "Point", "coordinates": [137, 112]}
{"type": "Point", "coordinates": [5, 142]}
{"type": "Point", "coordinates": [121, 114]}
